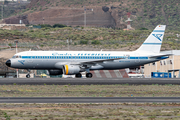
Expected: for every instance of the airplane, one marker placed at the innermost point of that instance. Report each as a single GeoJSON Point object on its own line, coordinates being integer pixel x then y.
{"type": "Point", "coordinates": [75, 62]}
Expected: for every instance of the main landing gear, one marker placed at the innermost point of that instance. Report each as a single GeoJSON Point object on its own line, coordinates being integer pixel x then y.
{"type": "Point", "coordinates": [28, 75]}
{"type": "Point", "coordinates": [78, 75]}
{"type": "Point", "coordinates": [88, 75]}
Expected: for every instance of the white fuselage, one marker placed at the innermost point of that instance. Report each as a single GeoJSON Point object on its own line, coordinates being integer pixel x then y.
{"type": "Point", "coordinates": [56, 59]}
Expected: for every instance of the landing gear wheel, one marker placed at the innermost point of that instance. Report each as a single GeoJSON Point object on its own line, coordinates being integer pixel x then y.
{"type": "Point", "coordinates": [78, 75]}
{"type": "Point", "coordinates": [89, 75]}
{"type": "Point", "coordinates": [27, 76]}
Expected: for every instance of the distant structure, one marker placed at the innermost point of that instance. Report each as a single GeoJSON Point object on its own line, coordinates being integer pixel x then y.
{"type": "Point", "coordinates": [14, 0]}
{"type": "Point", "coordinates": [129, 22]}
{"type": "Point", "coordinates": [13, 26]}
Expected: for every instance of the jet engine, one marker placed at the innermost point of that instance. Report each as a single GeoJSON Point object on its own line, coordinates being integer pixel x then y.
{"type": "Point", "coordinates": [71, 69]}
{"type": "Point", "coordinates": [55, 72]}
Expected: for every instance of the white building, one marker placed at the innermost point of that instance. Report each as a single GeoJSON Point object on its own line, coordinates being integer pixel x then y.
{"type": "Point", "coordinates": [172, 63]}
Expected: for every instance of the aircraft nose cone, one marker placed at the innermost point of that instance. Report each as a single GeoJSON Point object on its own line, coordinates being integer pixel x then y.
{"type": "Point", "coordinates": [8, 63]}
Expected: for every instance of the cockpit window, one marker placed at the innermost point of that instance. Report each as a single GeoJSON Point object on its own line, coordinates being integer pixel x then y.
{"type": "Point", "coordinates": [16, 56]}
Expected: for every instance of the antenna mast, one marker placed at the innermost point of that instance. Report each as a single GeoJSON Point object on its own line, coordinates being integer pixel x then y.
{"type": "Point", "coordinates": [128, 21]}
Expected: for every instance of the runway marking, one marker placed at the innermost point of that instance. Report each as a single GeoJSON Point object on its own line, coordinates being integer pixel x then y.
{"type": "Point", "coordinates": [89, 99]}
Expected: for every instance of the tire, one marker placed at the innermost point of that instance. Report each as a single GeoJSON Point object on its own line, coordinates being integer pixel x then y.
{"type": "Point", "coordinates": [78, 75]}
{"type": "Point", "coordinates": [27, 76]}
{"type": "Point", "coordinates": [89, 75]}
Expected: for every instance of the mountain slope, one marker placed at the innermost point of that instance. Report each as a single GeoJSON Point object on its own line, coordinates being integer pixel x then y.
{"type": "Point", "coordinates": [107, 13]}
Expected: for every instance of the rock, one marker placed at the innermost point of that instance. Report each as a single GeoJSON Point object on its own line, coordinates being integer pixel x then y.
{"type": "Point", "coordinates": [105, 8]}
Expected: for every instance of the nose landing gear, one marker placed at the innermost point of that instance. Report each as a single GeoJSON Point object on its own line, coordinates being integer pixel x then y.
{"type": "Point", "coordinates": [28, 75]}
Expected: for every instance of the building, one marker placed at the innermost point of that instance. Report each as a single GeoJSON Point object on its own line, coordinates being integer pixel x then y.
{"type": "Point", "coordinates": [13, 26]}
{"type": "Point", "coordinates": [172, 63]}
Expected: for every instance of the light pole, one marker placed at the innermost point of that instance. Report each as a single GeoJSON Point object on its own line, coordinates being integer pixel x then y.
{"type": "Point", "coordinates": [85, 15]}
{"type": "Point", "coordinates": [68, 43]}
{"type": "Point", "coordinates": [2, 13]}
{"type": "Point", "coordinates": [16, 41]}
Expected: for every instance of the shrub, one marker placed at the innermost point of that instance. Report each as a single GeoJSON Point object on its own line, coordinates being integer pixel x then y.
{"type": "Point", "coordinates": [31, 31]}
{"type": "Point", "coordinates": [45, 25]}
{"type": "Point", "coordinates": [83, 41]}
{"type": "Point", "coordinates": [59, 25]}
{"type": "Point", "coordinates": [143, 28]}
{"type": "Point", "coordinates": [10, 44]}
{"type": "Point", "coordinates": [96, 42]}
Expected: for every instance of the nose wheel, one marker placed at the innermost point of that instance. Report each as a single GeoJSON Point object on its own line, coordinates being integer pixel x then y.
{"type": "Point", "coordinates": [89, 75]}
{"type": "Point", "coordinates": [28, 76]}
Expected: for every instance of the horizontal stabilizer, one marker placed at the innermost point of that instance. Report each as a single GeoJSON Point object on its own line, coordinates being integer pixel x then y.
{"type": "Point", "coordinates": [160, 55]}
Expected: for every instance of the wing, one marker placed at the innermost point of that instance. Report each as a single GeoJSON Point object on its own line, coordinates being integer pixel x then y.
{"type": "Point", "coordinates": [85, 64]}
{"type": "Point", "coordinates": [94, 62]}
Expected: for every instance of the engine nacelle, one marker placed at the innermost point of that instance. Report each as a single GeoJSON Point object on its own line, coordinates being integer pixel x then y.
{"type": "Point", "coordinates": [55, 72]}
{"type": "Point", "coordinates": [71, 69]}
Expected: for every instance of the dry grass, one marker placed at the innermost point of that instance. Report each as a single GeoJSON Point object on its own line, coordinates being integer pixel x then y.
{"type": "Point", "coordinates": [115, 111]}
{"type": "Point", "coordinates": [89, 90]}
{"type": "Point", "coordinates": [90, 111]}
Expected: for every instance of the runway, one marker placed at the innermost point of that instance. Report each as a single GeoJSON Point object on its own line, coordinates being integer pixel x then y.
{"type": "Point", "coordinates": [89, 99]}
{"type": "Point", "coordinates": [88, 81]}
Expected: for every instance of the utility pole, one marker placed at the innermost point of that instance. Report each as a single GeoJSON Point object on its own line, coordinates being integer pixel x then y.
{"type": "Point", "coordinates": [43, 20]}
{"type": "Point", "coordinates": [84, 17]}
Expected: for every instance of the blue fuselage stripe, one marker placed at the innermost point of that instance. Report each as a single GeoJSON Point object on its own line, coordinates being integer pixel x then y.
{"type": "Point", "coordinates": [81, 57]}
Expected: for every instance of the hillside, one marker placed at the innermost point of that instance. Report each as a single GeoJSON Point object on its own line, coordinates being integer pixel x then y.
{"type": "Point", "coordinates": [12, 8]}
{"type": "Point", "coordinates": [106, 13]}
{"type": "Point", "coordinates": [84, 39]}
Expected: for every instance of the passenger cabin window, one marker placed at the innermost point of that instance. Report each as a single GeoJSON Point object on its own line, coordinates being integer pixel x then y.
{"type": "Point", "coordinates": [16, 56]}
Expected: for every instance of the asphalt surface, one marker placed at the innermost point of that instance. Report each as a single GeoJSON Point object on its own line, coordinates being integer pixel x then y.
{"type": "Point", "coordinates": [89, 99]}
{"type": "Point", "coordinates": [88, 81]}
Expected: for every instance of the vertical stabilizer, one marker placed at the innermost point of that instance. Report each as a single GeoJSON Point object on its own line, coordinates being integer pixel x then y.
{"type": "Point", "coordinates": [154, 40]}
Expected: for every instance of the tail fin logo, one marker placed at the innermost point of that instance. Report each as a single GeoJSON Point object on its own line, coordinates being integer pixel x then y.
{"type": "Point", "coordinates": [158, 36]}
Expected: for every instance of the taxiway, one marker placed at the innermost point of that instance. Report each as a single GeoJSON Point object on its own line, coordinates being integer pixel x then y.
{"type": "Point", "coordinates": [88, 81]}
